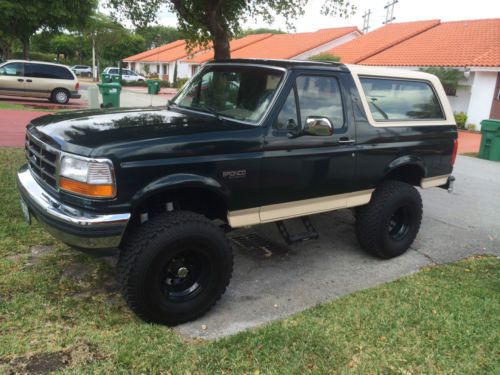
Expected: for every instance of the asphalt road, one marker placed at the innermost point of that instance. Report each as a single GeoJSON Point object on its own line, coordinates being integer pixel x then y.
{"type": "Point", "coordinates": [271, 285]}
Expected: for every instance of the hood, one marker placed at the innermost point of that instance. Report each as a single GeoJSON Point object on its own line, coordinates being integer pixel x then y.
{"type": "Point", "coordinates": [82, 131]}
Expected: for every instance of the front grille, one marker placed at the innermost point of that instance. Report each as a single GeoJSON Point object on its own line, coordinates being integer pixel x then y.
{"type": "Point", "coordinates": [42, 160]}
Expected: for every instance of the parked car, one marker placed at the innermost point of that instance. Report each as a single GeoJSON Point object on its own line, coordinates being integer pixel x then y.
{"type": "Point", "coordinates": [82, 69]}
{"type": "Point", "coordinates": [127, 74]}
{"type": "Point", "coordinates": [264, 141]}
{"type": "Point", "coordinates": [38, 79]}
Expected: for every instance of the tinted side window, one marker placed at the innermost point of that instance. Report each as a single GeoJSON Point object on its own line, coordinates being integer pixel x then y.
{"type": "Point", "coordinates": [320, 96]}
{"type": "Point", "coordinates": [12, 69]}
{"type": "Point", "coordinates": [287, 118]}
{"type": "Point", "coordinates": [396, 99]}
{"type": "Point", "coordinates": [48, 71]}
{"type": "Point", "coordinates": [113, 71]}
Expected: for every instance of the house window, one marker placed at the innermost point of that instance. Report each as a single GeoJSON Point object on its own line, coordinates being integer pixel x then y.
{"type": "Point", "coordinates": [194, 69]}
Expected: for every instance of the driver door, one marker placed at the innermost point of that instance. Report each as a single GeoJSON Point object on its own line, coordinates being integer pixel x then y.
{"type": "Point", "coordinates": [298, 166]}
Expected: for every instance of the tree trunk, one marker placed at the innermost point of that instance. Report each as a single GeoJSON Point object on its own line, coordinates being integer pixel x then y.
{"type": "Point", "coordinates": [221, 47]}
{"type": "Point", "coordinates": [26, 48]}
{"type": "Point", "coordinates": [218, 30]}
{"type": "Point", "coordinates": [214, 22]}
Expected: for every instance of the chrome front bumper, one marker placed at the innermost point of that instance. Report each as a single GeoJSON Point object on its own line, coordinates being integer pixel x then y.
{"type": "Point", "coordinates": [71, 225]}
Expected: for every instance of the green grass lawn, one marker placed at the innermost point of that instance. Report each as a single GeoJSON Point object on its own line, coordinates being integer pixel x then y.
{"type": "Point", "coordinates": [62, 312]}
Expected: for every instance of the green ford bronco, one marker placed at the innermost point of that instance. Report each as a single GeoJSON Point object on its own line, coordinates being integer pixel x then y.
{"type": "Point", "coordinates": [244, 142]}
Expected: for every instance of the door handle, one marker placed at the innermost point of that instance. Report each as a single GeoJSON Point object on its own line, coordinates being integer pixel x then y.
{"type": "Point", "coordinates": [346, 141]}
{"type": "Point", "coordinates": [20, 80]}
{"type": "Point", "coordinates": [29, 80]}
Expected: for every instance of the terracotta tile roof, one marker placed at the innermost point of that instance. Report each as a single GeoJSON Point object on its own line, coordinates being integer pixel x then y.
{"type": "Point", "coordinates": [458, 43]}
{"type": "Point", "coordinates": [172, 54]}
{"type": "Point", "coordinates": [380, 39]}
{"type": "Point", "coordinates": [234, 46]}
{"type": "Point", "coordinates": [285, 46]}
{"type": "Point", "coordinates": [155, 51]}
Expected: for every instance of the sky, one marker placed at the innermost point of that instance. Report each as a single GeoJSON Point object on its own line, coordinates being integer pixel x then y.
{"type": "Point", "coordinates": [404, 10]}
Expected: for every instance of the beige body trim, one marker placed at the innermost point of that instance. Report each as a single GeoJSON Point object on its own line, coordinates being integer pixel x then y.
{"type": "Point", "coordinates": [375, 71]}
{"type": "Point", "coordinates": [434, 181]}
{"type": "Point", "coordinates": [288, 210]}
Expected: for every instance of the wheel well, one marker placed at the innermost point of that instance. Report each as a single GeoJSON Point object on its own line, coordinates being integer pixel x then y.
{"type": "Point", "coordinates": [411, 174]}
{"type": "Point", "coordinates": [201, 201]}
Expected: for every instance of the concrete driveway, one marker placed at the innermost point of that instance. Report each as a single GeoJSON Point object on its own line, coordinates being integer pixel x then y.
{"type": "Point", "coordinates": [271, 285]}
{"type": "Point", "coordinates": [133, 97]}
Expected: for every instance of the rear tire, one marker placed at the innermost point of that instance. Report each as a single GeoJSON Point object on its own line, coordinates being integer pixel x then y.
{"type": "Point", "coordinates": [175, 267]}
{"type": "Point", "coordinates": [388, 225]}
{"type": "Point", "coordinates": [60, 96]}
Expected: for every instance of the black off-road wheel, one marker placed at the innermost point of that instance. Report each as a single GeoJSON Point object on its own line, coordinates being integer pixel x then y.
{"type": "Point", "coordinates": [174, 268]}
{"type": "Point", "coordinates": [387, 226]}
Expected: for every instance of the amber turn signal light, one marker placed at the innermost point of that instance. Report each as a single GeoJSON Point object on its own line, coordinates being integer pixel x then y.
{"type": "Point", "coordinates": [88, 190]}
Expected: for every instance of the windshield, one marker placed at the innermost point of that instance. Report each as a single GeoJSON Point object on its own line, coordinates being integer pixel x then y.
{"type": "Point", "coordinates": [240, 92]}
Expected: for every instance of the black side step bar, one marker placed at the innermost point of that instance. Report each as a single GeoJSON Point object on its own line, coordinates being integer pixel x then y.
{"type": "Point", "coordinates": [310, 234]}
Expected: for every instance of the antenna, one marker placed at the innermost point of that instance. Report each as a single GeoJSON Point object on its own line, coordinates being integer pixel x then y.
{"type": "Point", "coordinates": [366, 21]}
{"type": "Point", "coordinates": [389, 11]}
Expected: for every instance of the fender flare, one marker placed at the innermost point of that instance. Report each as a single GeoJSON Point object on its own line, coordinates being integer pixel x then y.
{"type": "Point", "coordinates": [179, 181]}
{"type": "Point", "coordinates": [403, 161]}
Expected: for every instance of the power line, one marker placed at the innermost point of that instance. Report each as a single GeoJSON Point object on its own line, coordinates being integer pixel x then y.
{"type": "Point", "coordinates": [389, 11]}
{"type": "Point", "coordinates": [366, 21]}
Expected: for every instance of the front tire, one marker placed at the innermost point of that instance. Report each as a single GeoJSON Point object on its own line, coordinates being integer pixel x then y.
{"type": "Point", "coordinates": [175, 267]}
{"type": "Point", "coordinates": [388, 225]}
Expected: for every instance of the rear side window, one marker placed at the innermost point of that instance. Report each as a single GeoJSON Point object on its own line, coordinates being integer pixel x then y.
{"type": "Point", "coordinates": [400, 100]}
{"type": "Point", "coordinates": [48, 71]}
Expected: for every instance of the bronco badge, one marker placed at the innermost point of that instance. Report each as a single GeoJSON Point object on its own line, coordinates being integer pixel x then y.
{"type": "Point", "coordinates": [235, 174]}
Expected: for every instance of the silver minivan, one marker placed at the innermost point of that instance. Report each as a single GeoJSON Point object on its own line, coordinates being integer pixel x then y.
{"type": "Point", "coordinates": [38, 79]}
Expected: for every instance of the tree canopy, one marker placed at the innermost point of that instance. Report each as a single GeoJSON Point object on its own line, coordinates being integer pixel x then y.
{"type": "Point", "coordinates": [158, 35]}
{"type": "Point", "coordinates": [325, 57]}
{"type": "Point", "coordinates": [218, 21]}
{"type": "Point", "coordinates": [21, 19]}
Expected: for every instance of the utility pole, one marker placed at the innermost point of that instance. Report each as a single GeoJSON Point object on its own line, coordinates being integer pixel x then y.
{"type": "Point", "coordinates": [94, 68]}
{"type": "Point", "coordinates": [366, 21]}
{"type": "Point", "coordinates": [389, 11]}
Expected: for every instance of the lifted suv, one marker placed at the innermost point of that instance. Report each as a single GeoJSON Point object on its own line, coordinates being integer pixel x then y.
{"type": "Point", "coordinates": [245, 142]}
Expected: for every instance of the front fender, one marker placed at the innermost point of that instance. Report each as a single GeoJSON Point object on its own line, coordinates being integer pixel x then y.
{"type": "Point", "coordinates": [179, 181]}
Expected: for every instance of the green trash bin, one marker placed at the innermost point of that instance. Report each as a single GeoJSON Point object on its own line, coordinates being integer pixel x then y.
{"type": "Point", "coordinates": [490, 140]}
{"type": "Point", "coordinates": [105, 78]}
{"type": "Point", "coordinates": [115, 78]}
{"type": "Point", "coordinates": [110, 94]}
{"type": "Point", "coordinates": [153, 86]}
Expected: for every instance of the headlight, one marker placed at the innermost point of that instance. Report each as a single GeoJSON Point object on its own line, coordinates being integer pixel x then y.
{"type": "Point", "coordinates": [87, 177]}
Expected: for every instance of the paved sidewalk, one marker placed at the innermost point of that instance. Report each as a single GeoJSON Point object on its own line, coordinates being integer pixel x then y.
{"type": "Point", "coordinates": [40, 103]}
{"type": "Point", "coordinates": [13, 126]}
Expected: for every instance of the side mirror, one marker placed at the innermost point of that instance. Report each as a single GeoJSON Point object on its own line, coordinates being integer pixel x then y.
{"type": "Point", "coordinates": [316, 125]}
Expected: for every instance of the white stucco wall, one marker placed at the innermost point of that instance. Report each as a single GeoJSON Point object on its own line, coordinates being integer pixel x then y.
{"type": "Point", "coordinates": [483, 87]}
{"type": "Point", "coordinates": [460, 102]}
{"type": "Point", "coordinates": [183, 70]}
